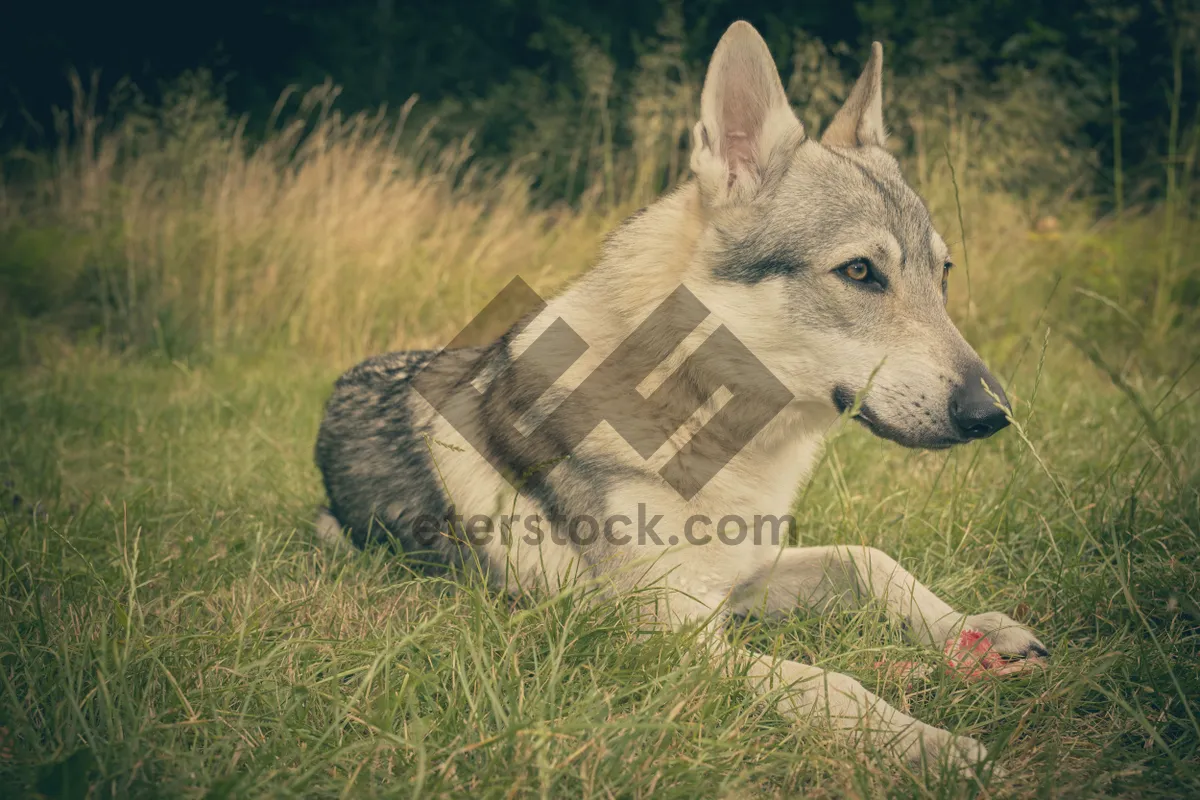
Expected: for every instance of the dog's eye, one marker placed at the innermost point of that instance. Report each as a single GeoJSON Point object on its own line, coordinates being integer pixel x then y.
{"type": "Point", "coordinates": [860, 271]}
{"type": "Point", "coordinates": [949, 265]}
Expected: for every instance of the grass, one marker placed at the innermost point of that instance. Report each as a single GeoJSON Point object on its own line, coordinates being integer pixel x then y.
{"type": "Point", "coordinates": [177, 303]}
{"type": "Point", "coordinates": [169, 614]}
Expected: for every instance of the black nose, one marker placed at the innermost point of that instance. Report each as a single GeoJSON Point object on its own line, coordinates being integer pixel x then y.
{"type": "Point", "coordinates": [973, 410]}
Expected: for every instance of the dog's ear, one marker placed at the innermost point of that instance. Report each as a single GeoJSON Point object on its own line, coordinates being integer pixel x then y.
{"type": "Point", "coordinates": [859, 122]}
{"type": "Point", "coordinates": [745, 118]}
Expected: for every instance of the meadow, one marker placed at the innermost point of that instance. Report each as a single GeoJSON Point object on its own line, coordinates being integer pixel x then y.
{"type": "Point", "coordinates": [178, 295]}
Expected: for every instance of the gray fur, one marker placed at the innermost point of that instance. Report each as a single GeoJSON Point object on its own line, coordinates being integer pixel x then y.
{"type": "Point", "coordinates": [375, 462]}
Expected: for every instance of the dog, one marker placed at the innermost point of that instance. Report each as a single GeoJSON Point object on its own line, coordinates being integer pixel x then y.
{"type": "Point", "coordinates": [789, 283]}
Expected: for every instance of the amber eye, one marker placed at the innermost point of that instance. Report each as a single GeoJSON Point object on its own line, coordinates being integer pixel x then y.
{"type": "Point", "coordinates": [857, 270]}
{"type": "Point", "coordinates": [862, 274]}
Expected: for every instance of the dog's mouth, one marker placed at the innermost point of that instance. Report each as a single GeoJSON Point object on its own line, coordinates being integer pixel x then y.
{"type": "Point", "coordinates": [843, 401]}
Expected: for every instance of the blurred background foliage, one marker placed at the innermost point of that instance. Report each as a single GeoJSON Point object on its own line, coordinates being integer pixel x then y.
{"type": "Point", "coordinates": [354, 177]}
{"type": "Point", "coordinates": [560, 82]}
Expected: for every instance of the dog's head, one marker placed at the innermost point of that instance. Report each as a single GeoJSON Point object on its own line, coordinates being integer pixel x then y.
{"type": "Point", "coordinates": [824, 262]}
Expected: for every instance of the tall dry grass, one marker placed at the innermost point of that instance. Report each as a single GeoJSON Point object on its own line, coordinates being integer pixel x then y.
{"type": "Point", "coordinates": [325, 235]}
{"type": "Point", "coordinates": [169, 228]}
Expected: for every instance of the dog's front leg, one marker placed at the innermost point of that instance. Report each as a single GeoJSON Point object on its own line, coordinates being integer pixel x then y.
{"type": "Point", "coordinates": [820, 578]}
{"type": "Point", "coordinates": [805, 692]}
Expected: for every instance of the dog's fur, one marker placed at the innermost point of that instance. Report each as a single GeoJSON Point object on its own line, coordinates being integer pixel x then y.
{"type": "Point", "coordinates": [762, 236]}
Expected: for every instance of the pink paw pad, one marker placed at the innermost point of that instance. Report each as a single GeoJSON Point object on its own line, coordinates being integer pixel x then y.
{"type": "Point", "coordinates": [970, 655]}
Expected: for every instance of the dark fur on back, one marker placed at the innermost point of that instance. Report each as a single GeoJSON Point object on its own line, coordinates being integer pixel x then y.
{"type": "Point", "coordinates": [379, 476]}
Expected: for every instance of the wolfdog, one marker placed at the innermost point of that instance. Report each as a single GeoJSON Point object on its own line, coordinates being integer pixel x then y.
{"type": "Point", "coordinates": [817, 272]}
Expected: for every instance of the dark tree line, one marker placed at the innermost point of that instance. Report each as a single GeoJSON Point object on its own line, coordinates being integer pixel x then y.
{"type": "Point", "coordinates": [464, 58]}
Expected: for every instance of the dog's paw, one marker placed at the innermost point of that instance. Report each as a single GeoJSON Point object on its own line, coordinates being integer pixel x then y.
{"type": "Point", "coordinates": [937, 747]}
{"type": "Point", "coordinates": [996, 644]}
{"type": "Point", "coordinates": [1009, 638]}
{"type": "Point", "coordinates": [964, 755]}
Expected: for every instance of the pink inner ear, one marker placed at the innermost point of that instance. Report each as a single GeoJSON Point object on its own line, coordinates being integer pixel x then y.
{"type": "Point", "coordinates": [741, 125]}
{"type": "Point", "coordinates": [739, 153]}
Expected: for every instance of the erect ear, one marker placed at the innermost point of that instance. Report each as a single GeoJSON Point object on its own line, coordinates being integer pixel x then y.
{"type": "Point", "coordinates": [859, 122]}
{"type": "Point", "coordinates": [744, 117]}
